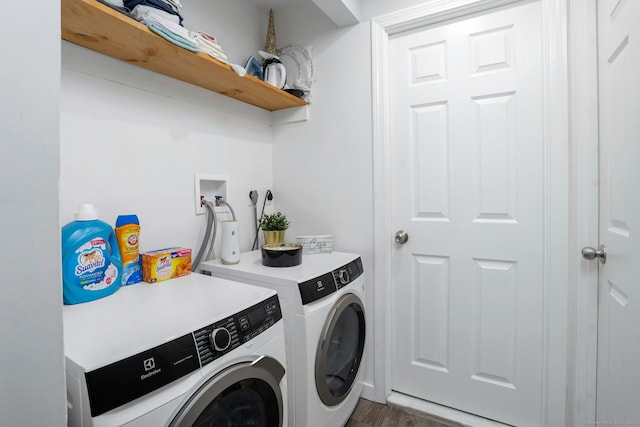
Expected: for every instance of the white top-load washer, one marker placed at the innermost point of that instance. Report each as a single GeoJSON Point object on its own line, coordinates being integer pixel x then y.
{"type": "Point", "coordinates": [178, 353]}
{"type": "Point", "coordinates": [322, 303]}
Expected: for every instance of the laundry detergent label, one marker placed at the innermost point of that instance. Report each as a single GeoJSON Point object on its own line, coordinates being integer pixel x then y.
{"type": "Point", "coordinates": [93, 269]}
{"type": "Point", "coordinates": [163, 267]}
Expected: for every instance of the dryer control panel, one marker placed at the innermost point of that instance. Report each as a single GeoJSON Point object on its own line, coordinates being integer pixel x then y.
{"type": "Point", "coordinates": [121, 382]}
{"type": "Point", "coordinates": [348, 273]}
{"type": "Point", "coordinates": [217, 339]}
{"type": "Point", "coordinates": [321, 286]}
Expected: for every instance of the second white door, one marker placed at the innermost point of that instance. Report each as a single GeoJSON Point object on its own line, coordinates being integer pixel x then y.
{"type": "Point", "coordinates": [619, 296]}
{"type": "Point", "coordinates": [468, 184]}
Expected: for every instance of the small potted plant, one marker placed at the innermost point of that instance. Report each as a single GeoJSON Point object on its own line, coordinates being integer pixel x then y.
{"type": "Point", "coordinates": [273, 227]}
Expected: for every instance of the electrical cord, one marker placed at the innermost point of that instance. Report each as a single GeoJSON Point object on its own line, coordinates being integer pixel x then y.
{"type": "Point", "coordinates": [268, 196]}
{"type": "Point", "coordinates": [253, 196]}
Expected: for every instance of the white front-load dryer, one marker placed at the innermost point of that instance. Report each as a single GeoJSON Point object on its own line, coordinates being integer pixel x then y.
{"type": "Point", "coordinates": [192, 351]}
{"type": "Point", "coordinates": [324, 317]}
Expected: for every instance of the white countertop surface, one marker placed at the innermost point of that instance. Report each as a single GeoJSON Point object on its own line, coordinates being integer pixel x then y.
{"type": "Point", "coordinates": [313, 265]}
{"type": "Point", "coordinates": [142, 316]}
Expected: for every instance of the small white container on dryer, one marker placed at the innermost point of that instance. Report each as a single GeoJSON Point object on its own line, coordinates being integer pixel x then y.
{"type": "Point", "coordinates": [230, 253]}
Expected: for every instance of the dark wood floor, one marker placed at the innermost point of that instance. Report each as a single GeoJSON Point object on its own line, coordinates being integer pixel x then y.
{"type": "Point", "coordinates": [369, 413]}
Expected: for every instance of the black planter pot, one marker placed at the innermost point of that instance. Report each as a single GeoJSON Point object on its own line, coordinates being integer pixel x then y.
{"type": "Point", "coordinates": [281, 254]}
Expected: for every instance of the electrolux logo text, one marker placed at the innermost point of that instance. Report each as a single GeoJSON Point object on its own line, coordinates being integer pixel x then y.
{"type": "Point", "coordinates": [149, 367]}
{"type": "Point", "coordinates": [149, 364]}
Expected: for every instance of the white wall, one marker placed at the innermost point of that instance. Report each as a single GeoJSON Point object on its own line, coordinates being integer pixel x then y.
{"type": "Point", "coordinates": [129, 150]}
{"type": "Point", "coordinates": [132, 140]}
{"type": "Point", "coordinates": [32, 389]}
{"type": "Point", "coordinates": [323, 167]}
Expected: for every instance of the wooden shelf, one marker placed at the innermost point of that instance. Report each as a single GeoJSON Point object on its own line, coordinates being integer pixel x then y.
{"type": "Point", "coordinates": [98, 27]}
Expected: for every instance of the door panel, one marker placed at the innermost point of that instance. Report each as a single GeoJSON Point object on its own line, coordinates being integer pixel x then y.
{"type": "Point", "coordinates": [467, 183]}
{"type": "Point", "coordinates": [619, 298]}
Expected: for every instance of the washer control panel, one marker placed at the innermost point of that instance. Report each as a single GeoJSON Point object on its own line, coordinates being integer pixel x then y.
{"type": "Point", "coordinates": [321, 286]}
{"type": "Point", "coordinates": [121, 382]}
{"type": "Point", "coordinates": [219, 338]}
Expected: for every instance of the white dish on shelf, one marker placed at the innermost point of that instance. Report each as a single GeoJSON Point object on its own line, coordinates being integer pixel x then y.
{"type": "Point", "coordinates": [299, 66]}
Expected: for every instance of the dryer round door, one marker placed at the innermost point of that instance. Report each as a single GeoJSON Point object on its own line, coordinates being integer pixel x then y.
{"type": "Point", "coordinates": [246, 394]}
{"type": "Point", "coordinates": [340, 350]}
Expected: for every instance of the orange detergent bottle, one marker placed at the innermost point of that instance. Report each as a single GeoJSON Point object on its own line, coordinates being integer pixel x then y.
{"type": "Point", "coordinates": [128, 234]}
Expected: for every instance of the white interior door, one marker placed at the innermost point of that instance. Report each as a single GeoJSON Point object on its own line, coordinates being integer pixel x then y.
{"type": "Point", "coordinates": [618, 379]}
{"type": "Point", "coordinates": [468, 186]}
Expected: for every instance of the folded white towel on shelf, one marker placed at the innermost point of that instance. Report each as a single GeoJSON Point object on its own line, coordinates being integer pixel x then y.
{"type": "Point", "coordinates": [167, 26]}
{"type": "Point", "coordinates": [140, 10]}
{"type": "Point", "coordinates": [159, 20]}
{"type": "Point", "coordinates": [210, 46]}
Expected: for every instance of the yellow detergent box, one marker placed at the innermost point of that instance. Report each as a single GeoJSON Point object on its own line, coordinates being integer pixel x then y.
{"type": "Point", "coordinates": [165, 264]}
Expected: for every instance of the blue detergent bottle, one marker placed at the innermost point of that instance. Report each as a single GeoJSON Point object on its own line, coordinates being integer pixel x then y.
{"type": "Point", "coordinates": [91, 263]}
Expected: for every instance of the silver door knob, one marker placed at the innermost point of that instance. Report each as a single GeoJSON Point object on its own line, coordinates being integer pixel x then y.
{"type": "Point", "coordinates": [401, 237]}
{"type": "Point", "coordinates": [592, 253]}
